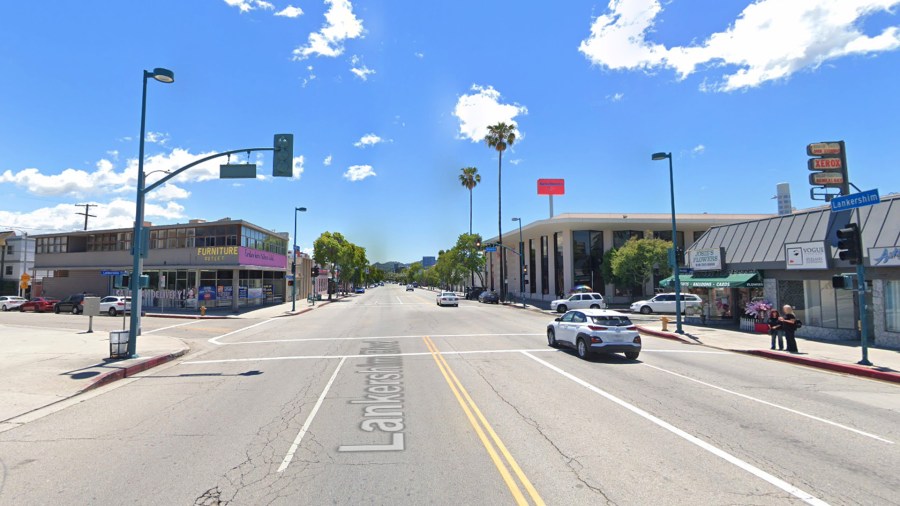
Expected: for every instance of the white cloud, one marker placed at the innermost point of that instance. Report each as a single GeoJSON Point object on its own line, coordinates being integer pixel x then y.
{"type": "Point", "coordinates": [249, 5]}
{"type": "Point", "coordinates": [327, 161]}
{"type": "Point", "coordinates": [340, 24]}
{"type": "Point", "coordinates": [359, 172]}
{"type": "Point", "coordinates": [516, 161]}
{"type": "Point", "coordinates": [769, 40]}
{"type": "Point", "coordinates": [616, 97]}
{"type": "Point", "coordinates": [118, 213]}
{"type": "Point", "coordinates": [167, 193]}
{"type": "Point", "coordinates": [483, 108]}
{"type": "Point", "coordinates": [419, 55]}
{"type": "Point", "coordinates": [298, 167]}
{"type": "Point", "coordinates": [156, 138]}
{"type": "Point", "coordinates": [114, 154]}
{"type": "Point", "coordinates": [369, 140]}
{"type": "Point", "coordinates": [290, 12]}
{"type": "Point", "coordinates": [362, 72]}
{"type": "Point", "coordinates": [698, 149]}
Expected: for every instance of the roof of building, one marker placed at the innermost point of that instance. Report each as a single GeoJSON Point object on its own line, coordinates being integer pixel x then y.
{"type": "Point", "coordinates": [760, 244]}
{"type": "Point", "coordinates": [190, 224]}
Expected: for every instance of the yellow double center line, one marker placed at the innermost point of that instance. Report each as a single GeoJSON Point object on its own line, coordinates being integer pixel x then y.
{"type": "Point", "coordinates": [484, 430]}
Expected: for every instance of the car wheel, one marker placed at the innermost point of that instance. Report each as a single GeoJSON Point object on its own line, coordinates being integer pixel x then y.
{"type": "Point", "coordinates": [112, 311]}
{"type": "Point", "coordinates": [551, 338]}
{"type": "Point", "coordinates": [74, 309]}
{"type": "Point", "coordinates": [582, 348]}
{"type": "Point", "coordinates": [56, 309]}
{"type": "Point", "coordinates": [595, 306]}
{"type": "Point", "coordinates": [562, 308]}
{"type": "Point", "coordinates": [632, 355]}
{"type": "Point", "coordinates": [646, 310]}
{"type": "Point", "coordinates": [4, 308]}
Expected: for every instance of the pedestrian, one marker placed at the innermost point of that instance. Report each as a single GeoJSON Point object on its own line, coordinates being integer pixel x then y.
{"type": "Point", "coordinates": [775, 329]}
{"type": "Point", "coordinates": [790, 324]}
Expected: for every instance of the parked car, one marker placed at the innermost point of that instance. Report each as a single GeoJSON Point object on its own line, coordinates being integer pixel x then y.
{"type": "Point", "coordinates": [595, 331]}
{"type": "Point", "coordinates": [474, 292]}
{"type": "Point", "coordinates": [72, 303]}
{"type": "Point", "coordinates": [447, 299]}
{"type": "Point", "coordinates": [8, 302]}
{"type": "Point", "coordinates": [579, 301]}
{"type": "Point", "coordinates": [360, 289]}
{"type": "Point", "coordinates": [488, 297]}
{"type": "Point", "coordinates": [38, 305]}
{"type": "Point", "coordinates": [409, 288]}
{"type": "Point", "coordinates": [665, 303]}
{"type": "Point", "coordinates": [115, 304]}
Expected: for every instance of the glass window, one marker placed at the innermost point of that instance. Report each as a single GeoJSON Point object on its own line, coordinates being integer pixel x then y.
{"type": "Point", "coordinates": [558, 278]}
{"type": "Point", "coordinates": [620, 237]}
{"type": "Point", "coordinates": [891, 305]}
{"type": "Point", "coordinates": [545, 265]}
{"type": "Point", "coordinates": [578, 318]}
{"type": "Point", "coordinates": [567, 317]}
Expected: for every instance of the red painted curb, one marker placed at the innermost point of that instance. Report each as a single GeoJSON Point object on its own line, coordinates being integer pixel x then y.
{"type": "Point", "coordinates": [109, 377]}
{"type": "Point", "coordinates": [854, 369]}
{"type": "Point", "coordinates": [664, 335]}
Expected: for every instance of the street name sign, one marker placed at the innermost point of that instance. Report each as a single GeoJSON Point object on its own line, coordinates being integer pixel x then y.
{"type": "Point", "coordinates": [491, 249]}
{"type": "Point", "coordinates": [861, 199]}
{"type": "Point", "coordinates": [112, 273]}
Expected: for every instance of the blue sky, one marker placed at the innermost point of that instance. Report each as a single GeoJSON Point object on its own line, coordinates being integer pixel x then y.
{"type": "Point", "coordinates": [388, 100]}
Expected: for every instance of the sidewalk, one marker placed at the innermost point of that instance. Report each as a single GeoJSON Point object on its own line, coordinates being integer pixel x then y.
{"type": "Point", "coordinates": [837, 356]}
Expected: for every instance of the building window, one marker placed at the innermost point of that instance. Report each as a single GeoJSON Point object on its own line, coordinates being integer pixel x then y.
{"type": "Point", "coordinates": [891, 305]}
{"type": "Point", "coordinates": [827, 307]}
{"type": "Point", "coordinates": [9, 270]}
{"type": "Point", "coordinates": [558, 280]}
{"type": "Point", "coordinates": [587, 255]}
{"type": "Point", "coordinates": [9, 249]}
{"type": "Point", "coordinates": [620, 237]}
{"type": "Point", "coordinates": [545, 266]}
{"type": "Point", "coordinates": [531, 267]}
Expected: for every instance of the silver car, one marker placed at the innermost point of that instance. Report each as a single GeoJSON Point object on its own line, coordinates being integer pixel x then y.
{"type": "Point", "coordinates": [665, 303]}
{"type": "Point", "coordinates": [595, 331]}
{"type": "Point", "coordinates": [447, 299]}
{"type": "Point", "coordinates": [8, 302]}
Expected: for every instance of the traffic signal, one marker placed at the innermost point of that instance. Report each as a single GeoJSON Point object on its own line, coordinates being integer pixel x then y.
{"type": "Point", "coordinates": [849, 244]}
{"type": "Point", "coordinates": [315, 271]}
{"type": "Point", "coordinates": [525, 269]}
{"type": "Point", "coordinates": [842, 281]}
{"type": "Point", "coordinates": [283, 157]}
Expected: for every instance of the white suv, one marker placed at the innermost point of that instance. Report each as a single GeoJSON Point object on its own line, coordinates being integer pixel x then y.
{"type": "Point", "coordinates": [665, 303]}
{"type": "Point", "coordinates": [579, 301]}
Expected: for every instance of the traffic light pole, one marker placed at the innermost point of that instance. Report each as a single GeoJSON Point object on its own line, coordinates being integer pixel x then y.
{"type": "Point", "coordinates": [861, 283]}
{"type": "Point", "coordinates": [521, 264]}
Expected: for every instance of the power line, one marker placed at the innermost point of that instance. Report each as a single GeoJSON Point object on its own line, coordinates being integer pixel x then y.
{"type": "Point", "coordinates": [87, 209]}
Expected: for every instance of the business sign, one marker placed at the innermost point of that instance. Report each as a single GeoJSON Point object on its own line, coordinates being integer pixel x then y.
{"type": "Point", "coordinates": [830, 169]}
{"type": "Point", "coordinates": [806, 255]}
{"type": "Point", "coordinates": [884, 257]}
{"type": "Point", "coordinates": [824, 164]}
{"type": "Point", "coordinates": [861, 199]}
{"type": "Point", "coordinates": [217, 255]}
{"type": "Point", "coordinates": [826, 178]}
{"type": "Point", "coordinates": [824, 148]}
{"type": "Point", "coordinates": [261, 258]}
{"type": "Point", "coordinates": [551, 186]}
{"type": "Point", "coordinates": [706, 259]}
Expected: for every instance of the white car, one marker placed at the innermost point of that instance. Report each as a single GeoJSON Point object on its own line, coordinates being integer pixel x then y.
{"type": "Point", "coordinates": [8, 302]}
{"type": "Point", "coordinates": [579, 301]}
{"type": "Point", "coordinates": [447, 299]}
{"type": "Point", "coordinates": [595, 331]}
{"type": "Point", "coordinates": [114, 305]}
{"type": "Point", "coordinates": [665, 303]}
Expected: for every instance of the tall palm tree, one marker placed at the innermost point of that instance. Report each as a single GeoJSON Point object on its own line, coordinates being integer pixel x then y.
{"type": "Point", "coordinates": [470, 179]}
{"type": "Point", "coordinates": [499, 137]}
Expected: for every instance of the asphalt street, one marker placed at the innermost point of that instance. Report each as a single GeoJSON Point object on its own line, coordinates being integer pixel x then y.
{"type": "Point", "coordinates": [385, 398]}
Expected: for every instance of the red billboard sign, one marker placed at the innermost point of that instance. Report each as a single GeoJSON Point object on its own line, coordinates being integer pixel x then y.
{"type": "Point", "coordinates": [551, 186]}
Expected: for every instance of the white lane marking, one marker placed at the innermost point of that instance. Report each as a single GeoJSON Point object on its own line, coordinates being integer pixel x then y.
{"type": "Point", "coordinates": [759, 473]}
{"type": "Point", "coordinates": [398, 300]}
{"type": "Point", "coordinates": [412, 354]}
{"type": "Point", "coordinates": [215, 340]}
{"type": "Point", "coordinates": [312, 414]}
{"type": "Point", "coordinates": [812, 417]}
{"type": "Point", "coordinates": [419, 336]}
{"type": "Point", "coordinates": [172, 326]}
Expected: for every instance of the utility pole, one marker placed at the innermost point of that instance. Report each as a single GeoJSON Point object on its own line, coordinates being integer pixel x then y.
{"type": "Point", "coordinates": [86, 213]}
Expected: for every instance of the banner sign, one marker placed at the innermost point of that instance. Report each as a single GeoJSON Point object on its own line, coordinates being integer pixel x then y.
{"type": "Point", "coordinates": [706, 259]}
{"type": "Point", "coordinates": [261, 258]}
{"type": "Point", "coordinates": [884, 257]}
{"type": "Point", "coordinates": [806, 255]}
{"type": "Point", "coordinates": [551, 186]}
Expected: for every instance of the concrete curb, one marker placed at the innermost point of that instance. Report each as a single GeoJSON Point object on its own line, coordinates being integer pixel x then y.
{"type": "Point", "coordinates": [229, 317]}
{"type": "Point", "coordinates": [854, 369]}
{"type": "Point", "coordinates": [131, 370]}
{"type": "Point", "coordinates": [664, 335]}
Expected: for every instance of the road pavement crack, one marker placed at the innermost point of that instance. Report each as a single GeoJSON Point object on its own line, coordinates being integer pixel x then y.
{"type": "Point", "coordinates": [570, 461]}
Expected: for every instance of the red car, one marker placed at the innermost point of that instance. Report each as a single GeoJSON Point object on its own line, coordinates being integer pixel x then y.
{"type": "Point", "coordinates": [38, 305]}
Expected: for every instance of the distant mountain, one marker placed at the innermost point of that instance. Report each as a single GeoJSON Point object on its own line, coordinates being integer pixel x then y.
{"type": "Point", "coordinates": [391, 266]}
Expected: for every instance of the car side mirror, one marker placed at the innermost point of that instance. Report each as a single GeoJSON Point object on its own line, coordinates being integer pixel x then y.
{"type": "Point", "coordinates": [558, 318]}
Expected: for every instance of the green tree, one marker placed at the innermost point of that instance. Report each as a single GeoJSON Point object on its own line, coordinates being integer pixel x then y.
{"type": "Point", "coordinates": [470, 179]}
{"type": "Point", "coordinates": [468, 254]}
{"type": "Point", "coordinates": [633, 263]}
{"type": "Point", "coordinates": [499, 137]}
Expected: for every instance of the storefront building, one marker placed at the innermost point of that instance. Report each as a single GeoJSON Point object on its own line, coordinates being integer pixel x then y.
{"type": "Point", "coordinates": [791, 260]}
{"type": "Point", "coordinates": [566, 251]}
{"type": "Point", "coordinates": [225, 263]}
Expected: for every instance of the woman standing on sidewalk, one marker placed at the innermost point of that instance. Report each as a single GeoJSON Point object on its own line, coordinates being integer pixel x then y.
{"type": "Point", "coordinates": [789, 323]}
{"type": "Point", "coordinates": [775, 329]}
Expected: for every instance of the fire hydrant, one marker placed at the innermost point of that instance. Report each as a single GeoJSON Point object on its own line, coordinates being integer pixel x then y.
{"type": "Point", "coordinates": [203, 311]}
{"type": "Point", "coordinates": [665, 323]}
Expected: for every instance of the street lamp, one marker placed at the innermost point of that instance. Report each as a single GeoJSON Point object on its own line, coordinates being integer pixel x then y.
{"type": "Point", "coordinates": [521, 261]}
{"type": "Point", "coordinates": [662, 156]}
{"type": "Point", "coordinates": [294, 263]}
{"type": "Point", "coordinates": [164, 76]}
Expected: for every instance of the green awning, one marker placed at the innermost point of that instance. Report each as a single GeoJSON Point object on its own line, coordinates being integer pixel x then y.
{"type": "Point", "coordinates": [738, 280]}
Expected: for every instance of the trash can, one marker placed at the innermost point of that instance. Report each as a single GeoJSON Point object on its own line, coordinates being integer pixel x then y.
{"type": "Point", "coordinates": [118, 344]}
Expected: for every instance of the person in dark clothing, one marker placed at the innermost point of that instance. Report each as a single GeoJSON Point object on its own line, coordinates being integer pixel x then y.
{"type": "Point", "coordinates": [789, 323]}
{"type": "Point", "coordinates": [775, 329]}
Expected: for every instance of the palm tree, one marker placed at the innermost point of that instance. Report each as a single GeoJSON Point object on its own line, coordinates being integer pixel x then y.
{"type": "Point", "coordinates": [499, 137]}
{"type": "Point", "coordinates": [470, 179]}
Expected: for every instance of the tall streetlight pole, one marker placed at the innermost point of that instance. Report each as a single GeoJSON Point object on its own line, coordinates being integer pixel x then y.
{"type": "Point", "coordinates": [164, 76]}
{"type": "Point", "coordinates": [521, 261]}
{"type": "Point", "coordinates": [674, 259]}
{"type": "Point", "coordinates": [294, 263]}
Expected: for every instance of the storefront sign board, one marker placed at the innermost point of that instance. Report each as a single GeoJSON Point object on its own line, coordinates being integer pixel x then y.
{"type": "Point", "coordinates": [806, 255]}
{"type": "Point", "coordinates": [884, 257]}
{"type": "Point", "coordinates": [707, 259]}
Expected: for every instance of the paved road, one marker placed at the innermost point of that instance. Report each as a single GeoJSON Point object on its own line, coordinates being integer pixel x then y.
{"type": "Point", "coordinates": [386, 398]}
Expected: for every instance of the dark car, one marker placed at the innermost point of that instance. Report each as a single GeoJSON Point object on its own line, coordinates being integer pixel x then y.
{"type": "Point", "coordinates": [473, 293]}
{"type": "Point", "coordinates": [72, 303]}
{"type": "Point", "coordinates": [489, 296]}
{"type": "Point", "coordinates": [38, 305]}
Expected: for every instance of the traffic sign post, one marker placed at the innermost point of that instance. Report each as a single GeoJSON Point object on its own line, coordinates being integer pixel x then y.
{"type": "Point", "coordinates": [829, 169]}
